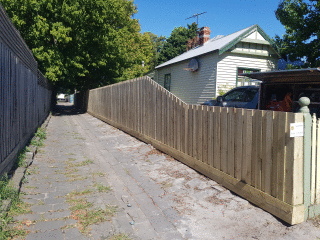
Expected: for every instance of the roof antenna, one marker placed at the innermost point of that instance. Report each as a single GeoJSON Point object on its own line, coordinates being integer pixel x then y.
{"type": "Point", "coordinates": [196, 15]}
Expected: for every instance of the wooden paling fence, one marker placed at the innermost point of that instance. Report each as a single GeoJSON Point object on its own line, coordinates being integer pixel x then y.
{"type": "Point", "coordinates": [248, 151]}
{"type": "Point", "coordinates": [315, 162]}
{"type": "Point", "coordinates": [24, 94]}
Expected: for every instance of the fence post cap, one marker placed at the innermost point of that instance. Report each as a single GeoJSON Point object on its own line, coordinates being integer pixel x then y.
{"type": "Point", "coordinates": [304, 102]}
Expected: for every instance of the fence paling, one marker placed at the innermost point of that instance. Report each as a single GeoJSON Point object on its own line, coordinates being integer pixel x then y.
{"type": "Point", "coordinates": [243, 149]}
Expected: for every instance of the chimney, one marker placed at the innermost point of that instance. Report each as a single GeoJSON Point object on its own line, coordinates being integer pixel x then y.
{"type": "Point", "coordinates": [204, 35]}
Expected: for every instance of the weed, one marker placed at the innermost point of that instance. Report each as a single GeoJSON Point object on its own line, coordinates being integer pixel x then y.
{"type": "Point", "coordinates": [99, 174]}
{"type": "Point", "coordinates": [81, 164]}
{"type": "Point", "coordinates": [81, 210]}
{"type": "Point", "coordinates": [119, 237]}
{"type": "Point", "coordinates": [40, 136]}
{"type": "Point", "coordinates": [102, 188]}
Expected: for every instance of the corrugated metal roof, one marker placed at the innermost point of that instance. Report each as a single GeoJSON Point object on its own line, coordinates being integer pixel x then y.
{"type": "Point", "coordinates": [214, 44]}
{"type": "Point", "coordinates": [295, 75]}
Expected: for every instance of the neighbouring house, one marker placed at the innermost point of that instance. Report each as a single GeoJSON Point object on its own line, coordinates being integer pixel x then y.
{"type": "Point", "coordinates": [213, 65]}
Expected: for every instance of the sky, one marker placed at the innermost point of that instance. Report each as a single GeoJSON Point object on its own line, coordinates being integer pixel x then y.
{"type": "Point", "coordinates": [222, 16]}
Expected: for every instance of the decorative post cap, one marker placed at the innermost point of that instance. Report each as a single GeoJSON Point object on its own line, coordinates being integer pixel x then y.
{"type": "Point", "coordinates": [304, 102]}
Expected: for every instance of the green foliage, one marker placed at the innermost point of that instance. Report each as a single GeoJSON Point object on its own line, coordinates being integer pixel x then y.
{"type": "Point", "coordinates": [83, 43]}
{"type": "Point", "coordinates": [7, 192]}
{"type": "Point", "coordinates": [176, 44]}
{"type": "Point", "coordinates": [301, 41]}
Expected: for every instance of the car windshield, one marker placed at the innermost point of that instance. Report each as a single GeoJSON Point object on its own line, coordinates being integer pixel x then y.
{"type": "Point", "coordinates": [250, 93]}
{"type": "Point", "coordinates": [237, 95]}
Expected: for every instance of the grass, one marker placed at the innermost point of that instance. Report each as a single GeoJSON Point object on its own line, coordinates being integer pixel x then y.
{"type": "Point", "coordinates": [39, 138]}
{"type": "Point", "coordinates": [102, 188]}
{"type": "Point", "coordinates": [82, 211]}
{"type": "Point", "coordinates": [7, 192]}
{"type": "Point", "coordinates": [119, 237]}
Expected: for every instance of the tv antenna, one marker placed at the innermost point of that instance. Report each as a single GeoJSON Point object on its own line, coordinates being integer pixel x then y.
{"type": "Point", "coordinates": [196, 15]}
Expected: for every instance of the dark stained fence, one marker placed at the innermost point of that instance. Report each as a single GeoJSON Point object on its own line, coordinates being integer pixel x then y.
{"type": "Point", "coordinates": [24, 93]}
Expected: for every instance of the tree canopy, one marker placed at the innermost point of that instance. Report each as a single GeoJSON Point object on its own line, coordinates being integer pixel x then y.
{"type": "Point", "coordinates": [301, 20]}
{"type": "Point", "coordinates": [83, 43]}
{"type": "Point", "coordinates": [176, 44]}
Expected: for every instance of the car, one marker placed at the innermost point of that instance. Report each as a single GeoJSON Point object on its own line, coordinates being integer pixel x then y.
{"type": "Point", "coordinates": [239, 97]}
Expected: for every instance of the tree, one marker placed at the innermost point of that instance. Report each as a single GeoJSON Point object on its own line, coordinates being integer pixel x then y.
{"type": "Point", "coordinates": [83, 43]}
{"type": "Point", "coordinates": [176, 44]}
{"type": "Point", "coordinates": [158, 43]}
{"type": "Point", "coordinates": [301, 41]}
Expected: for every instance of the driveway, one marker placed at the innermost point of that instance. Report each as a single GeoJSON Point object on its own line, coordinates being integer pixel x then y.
{"type": "Point", "coordinates": [136, 192]}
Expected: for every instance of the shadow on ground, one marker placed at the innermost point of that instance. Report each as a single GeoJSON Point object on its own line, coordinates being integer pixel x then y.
{"type": "Point", "coordinates": [63, 109]}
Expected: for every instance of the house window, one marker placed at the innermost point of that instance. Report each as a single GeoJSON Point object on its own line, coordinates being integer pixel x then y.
{"type": "Point", "coordinates": [167, 81]}
{"type": "Point", "coordinates": [245, 81]}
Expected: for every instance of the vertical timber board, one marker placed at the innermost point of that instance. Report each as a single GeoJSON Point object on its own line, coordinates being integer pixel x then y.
{"type": "Point", "coordinates": [184, 124]}
{"type": "Point", "coordinates": [224, 139]}
{"type": "Point", "coordinates": [188, 131]}
{"type": "Point", "coordinates": [230, 141]}
{"type": "Point", "coordinates": [205, 134]}
{"type": "Point", "coordinates": [313, 158]}
{"type": "Point", "coordinates": [317, 162]}
{"type": "Point", "coordinates": [247, 141]}
{"type": "Point", "coordinates": [178, 123]}
{"type": "Point", "coordinates": [267, 151]}
{"type": "Point", "coordinates": [289, 162]}
{"type": "Point", "coordinates": [275, 152]}
{"type": "Point", "coordinates": [199, 132]}
{"type": "Point", "coordinates": [194, 132]}
{"type": "Point", "coordinates": [256, 161]}
{"type": "Point", "coordinates": [238, 146]}
{"type": "Point", "coordinates": [294, 165]}
{"type": "Point", "coordinates": [210, 137]}
{"type": "Point", "coordinates": [281, 163]}
{"type": "Point", "coordinates": [217, 138]}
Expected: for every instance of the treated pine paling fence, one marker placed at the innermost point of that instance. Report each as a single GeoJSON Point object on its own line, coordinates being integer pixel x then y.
{"type": "Point", "coordinates": [24, 93]}
{"type": "Point", "coordinates": [248, 151]}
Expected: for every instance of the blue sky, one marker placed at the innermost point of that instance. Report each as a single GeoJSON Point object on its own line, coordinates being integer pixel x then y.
{"type": "Point", "coordinates": [223, 16]}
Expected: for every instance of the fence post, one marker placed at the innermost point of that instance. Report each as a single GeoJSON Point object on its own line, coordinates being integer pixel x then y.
{"type": "Point", "coordinates": [304, 103]}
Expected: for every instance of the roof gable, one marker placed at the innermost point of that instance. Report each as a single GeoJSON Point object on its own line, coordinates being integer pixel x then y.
{"type": "Point", "coordinates": [222, 44]}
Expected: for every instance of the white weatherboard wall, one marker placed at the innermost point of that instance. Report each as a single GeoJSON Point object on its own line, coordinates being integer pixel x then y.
{"type": "Point", "coordinates": [192, 87]}
{"type": "Point", "coordinates": [229, 62]}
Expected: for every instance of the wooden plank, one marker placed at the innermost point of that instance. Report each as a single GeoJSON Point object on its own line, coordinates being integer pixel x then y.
{"type": "Point", "coordinates": [205, 134]}
{"type": "Point", "coordinates": [224, 139]}
{"type": "Point", "coordinates": [189, 130]}
{"type": "Point", "coordinates": [313, 159]}
{"type": "Point", "coordinates": [317, 146]}
{"type": "Point", "coordinates": [247, 142]}
{"type": "Point", "coordinates": [230, 141]}
{"type": "Point", "coordinates": [210, 137]}
{"type": "Point", "coordinates": [294, 164]}
{"type": "Point", "coordinates": [217, 138]}
{"type": "Point", "coordinates": [195, 132]}
{"type": "Point", "coordinates": [276, 148]}
{"type": "Point", "coordinates": [200, 137]}
{"type": "Point", "coordinates": [238, 144]}
{"type": "Point", "coordinates": [256, 151]}
{"type": "Point", "coordinates": [267, 151]}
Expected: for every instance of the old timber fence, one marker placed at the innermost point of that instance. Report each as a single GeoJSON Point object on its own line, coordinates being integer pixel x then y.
{"type": "Point", "coordinates": [248, 151]}
{"type": "Point", "coordinates": [24, 93]}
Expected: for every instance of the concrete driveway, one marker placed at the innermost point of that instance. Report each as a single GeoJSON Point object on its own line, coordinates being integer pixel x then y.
{"type": "Point", "coordinates": [135, 191]}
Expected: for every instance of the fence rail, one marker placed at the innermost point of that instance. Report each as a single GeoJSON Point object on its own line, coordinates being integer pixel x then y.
{"type": "Point", "coordinates": [248, 151]}
{"type": "Point", "coordinates": [24, 93]}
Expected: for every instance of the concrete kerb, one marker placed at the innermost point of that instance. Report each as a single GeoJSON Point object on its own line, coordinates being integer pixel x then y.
{"type": "Point", "coordinates": [19, 173]}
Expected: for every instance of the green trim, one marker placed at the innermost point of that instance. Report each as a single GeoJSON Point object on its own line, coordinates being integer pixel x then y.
{"type": "Point", "coordinates": [244, 35]}
{"type": "Point", "coordinates": [257, 41]}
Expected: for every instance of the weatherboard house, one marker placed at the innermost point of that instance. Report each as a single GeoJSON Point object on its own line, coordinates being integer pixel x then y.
{"type": "Point", "coordinates": [215, 65]}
